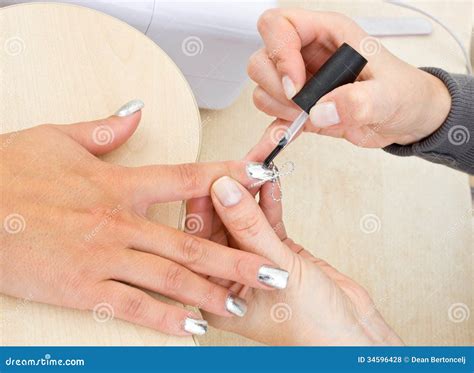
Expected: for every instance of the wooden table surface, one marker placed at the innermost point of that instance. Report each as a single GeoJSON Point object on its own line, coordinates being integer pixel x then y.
{"type": "Point", "coordinates": [418, 262]}
{"type": "Point", "coordinates": [64, 64]}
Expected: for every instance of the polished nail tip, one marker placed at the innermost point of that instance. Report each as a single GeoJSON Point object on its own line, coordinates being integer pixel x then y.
{"type": "Point", "coordinates": [324, 114]}
{"type": "Point", "coordinates": [288, 87]}
{"type": "Point", "coordinates": [258, 171]}
{"type": "Point", "coordinates": [195, 326]}
{"type": "Point", "coordinates": [235, 305]}
{"type": "Point", "coordinates": [130, 108]}
{"type": "Point", "coordinates": [273, 277]}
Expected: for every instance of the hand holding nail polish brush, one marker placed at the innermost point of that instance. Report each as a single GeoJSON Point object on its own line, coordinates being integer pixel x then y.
{"type": "Point", "coordinates": [392, 102]}
{"type": "Point", "coordinates": [343, 67]}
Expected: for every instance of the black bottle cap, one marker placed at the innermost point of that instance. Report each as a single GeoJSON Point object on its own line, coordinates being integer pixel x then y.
{"type": "Point", "coordinates": [341, 68]}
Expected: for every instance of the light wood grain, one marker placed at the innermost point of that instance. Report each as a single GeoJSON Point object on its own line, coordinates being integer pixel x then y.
{"type": "Point", "coordinates": [74, 64]}
{"type": "Point", "coordinates": [419, 262]}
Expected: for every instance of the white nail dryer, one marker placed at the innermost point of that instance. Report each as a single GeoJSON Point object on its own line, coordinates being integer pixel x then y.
{"type": "Point", "coordinates": [210, 41]}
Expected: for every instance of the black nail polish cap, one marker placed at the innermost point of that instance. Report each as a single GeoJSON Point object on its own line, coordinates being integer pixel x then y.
{"type": "Point", "coordinates": [341, 68]}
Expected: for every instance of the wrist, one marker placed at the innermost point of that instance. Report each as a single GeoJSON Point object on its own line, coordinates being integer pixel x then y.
{"type": "Point", "coordinates": [432, 109]}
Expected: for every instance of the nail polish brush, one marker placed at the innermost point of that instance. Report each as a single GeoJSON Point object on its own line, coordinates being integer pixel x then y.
{"type": "Point", "coordinates": [343, 67]}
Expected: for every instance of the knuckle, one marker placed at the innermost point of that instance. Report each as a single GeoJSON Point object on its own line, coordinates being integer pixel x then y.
{"type": "Point", "coordinates": [247, 225]}
{"type": "Point", "coordinates": [192, 250]}
{"type": "Point", "coordinates": [252, 67]}
{"type": "Point", "coordinates": [105, 219]}
{"type": "Point", "coordinates": [259, 98]}
{"type": "Point", "coordinates": [257, 68]}
{"type": "Point", "coordinates": [360, 105]}
{"type": "Point", "coordinates": [239, 267]}
{"type": "Point", "coordinates": [188, 176]}
{"type": "Point", "coordinates": [174, 278]}
{"type": "Point", "coordinates": [264, 22]}
{"type": "Point", "coordinates": [134, 307]}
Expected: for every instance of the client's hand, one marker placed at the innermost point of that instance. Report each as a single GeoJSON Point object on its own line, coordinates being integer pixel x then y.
{"type": "Point", "coordinates": [320, 306]}
{"type": "Point", "coordinates": [75, 232]}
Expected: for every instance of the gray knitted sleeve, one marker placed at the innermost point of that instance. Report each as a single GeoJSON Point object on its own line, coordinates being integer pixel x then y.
{"type": "Point", "coordinates": [453, 143]}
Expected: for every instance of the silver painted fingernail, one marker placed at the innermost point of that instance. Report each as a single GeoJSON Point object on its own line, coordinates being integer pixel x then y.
{"type": "Point", "coordinates": [235, 305]}
{"type": "Point", "coordinates": [130, 108]}
{"type": "Point", "coordinates": [259, 172]}
{"type": "Point", "coordinates": [195, 326]}
{"type": "Point", "coordinates": [274, 277]}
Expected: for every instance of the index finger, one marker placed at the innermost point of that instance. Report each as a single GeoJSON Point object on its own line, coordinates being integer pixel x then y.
{"type": "Point", "coordinates": [286, 31]}
{"type": "Point", "coordinates": [283, 45]}
{"type": "Point", "coordinates": [202, 256]}
{"type": "Point", "coordinates": [167, 183]}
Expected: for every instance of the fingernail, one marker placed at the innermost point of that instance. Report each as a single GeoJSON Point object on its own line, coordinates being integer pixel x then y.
{"type": "Point", "coordinates": [324, 114]}
{"type": "Point", "coordinates": [288, 87]}
{"type": "Point", "coordinates": [130, 108]}
{"type": "Point", "coordinates": [235, 305]}
{"type": "Point", "coordinates": [227, 191]}
{"type": "Point", "coordinates": [195, 326]}
{"type": "Point", "coordinates": [259, 172]}
{"type": "Point", "coordinates": [274, 277]}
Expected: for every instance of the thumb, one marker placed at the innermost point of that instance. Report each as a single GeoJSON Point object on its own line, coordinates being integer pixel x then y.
{"type": "Point", "coordinates": [350, 106]}
{"type": "Point", "coordinates": [104, 135]}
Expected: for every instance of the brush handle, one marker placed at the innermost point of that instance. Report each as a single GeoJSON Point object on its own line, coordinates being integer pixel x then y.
{"type": "Point", "coordinates": [343, 67]}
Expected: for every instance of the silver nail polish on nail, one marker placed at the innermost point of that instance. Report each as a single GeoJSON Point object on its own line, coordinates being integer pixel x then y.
{"type": "Point", "coordinates": [259, 172]}
{"type": "Point", "coordinates": [195, 326]}
{"type": "Point", "coordinates": [235, 305]}
{"type": "Point", "coordinates": [273, 277]}
{"type": "Point", "coordinates": [130, 108]}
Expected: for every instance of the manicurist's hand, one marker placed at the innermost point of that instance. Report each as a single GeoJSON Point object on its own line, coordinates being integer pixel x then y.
{"type": "Point", "coordinates": [75, 234]}
{"type": "Point", "coordinates": [320, 306]}
{"type": "Point", "coordinates": [393, 102]}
